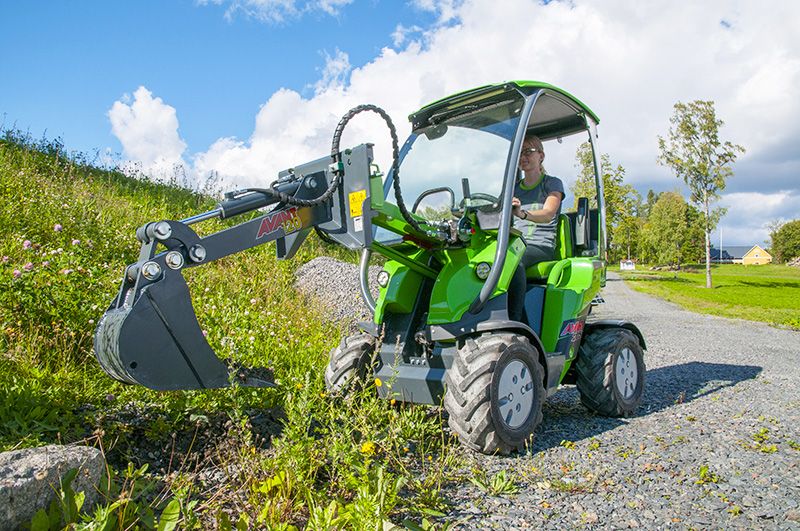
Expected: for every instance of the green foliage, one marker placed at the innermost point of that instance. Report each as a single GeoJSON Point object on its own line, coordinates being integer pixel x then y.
{"type": "Point", "coordinates": [767, 293]}
{"type": "Point", "coordinates": [664, 232]}
{"type": "Point", "coordinates": [497, 485]}
{"type": "Point", "coordinates": [785, 241]}
{"type": "Point", "coordinates": [371, 457]}
{"type": "Point", "coordinates": [695, 153]}
{"type": "Point", "coordinates": [621, 199]}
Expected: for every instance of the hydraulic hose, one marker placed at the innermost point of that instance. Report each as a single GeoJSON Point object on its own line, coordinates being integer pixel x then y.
{"type": "Point", "coordinates": [336, 158]}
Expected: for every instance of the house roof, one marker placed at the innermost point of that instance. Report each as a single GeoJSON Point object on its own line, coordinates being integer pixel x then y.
{"type": "Point", "coordinates": [731, 252]}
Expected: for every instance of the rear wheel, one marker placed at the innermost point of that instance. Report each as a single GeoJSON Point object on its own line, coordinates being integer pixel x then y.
{"type": "Point", "coordinates": [350, 363]}
{"type": "Point", "coordinates": [610, 372]}
{"type": "Point", "coordinates": [495, 391]}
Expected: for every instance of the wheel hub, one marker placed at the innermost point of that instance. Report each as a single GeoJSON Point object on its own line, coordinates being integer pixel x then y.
{"type": "Point", "coordinates": [515, 394]}
{"type": "Point", "coordinates": [627, 373]}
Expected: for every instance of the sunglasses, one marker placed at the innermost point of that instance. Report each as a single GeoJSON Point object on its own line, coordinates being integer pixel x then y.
{"type": "Point", "coordinates": [530, 151]}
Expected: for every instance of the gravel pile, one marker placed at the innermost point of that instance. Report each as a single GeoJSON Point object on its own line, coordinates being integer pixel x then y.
{"type": "Point", "coordinates": [715, 444]}
{"type": "Point", "coordinates": [335, 286]}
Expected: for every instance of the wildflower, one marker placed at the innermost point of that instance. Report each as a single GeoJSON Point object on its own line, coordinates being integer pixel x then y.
{"type": "Point", "coordinates": [76, 242]}
{"type": "Point", "coordinates": [17, 273]}
{"type": "Point", "coordinates": [46, 263]}
{"type": "Point", "coordinates": [298, 385]}
{"type": "Point", "coordinates": [378, 382]}
{"type": "Point", "coordinates": [205, 333]}
{"type": "Point", "coordinates": [66, 271]}
{"type": "Point", "coordinates": [392, 401]}
{"type": "Point", "coordinates": [368, 448]}
{"type": "Point", "coordinates": [5, 259]}
{"type": "Point", "coordinates": [252, 301]}
{"type": "Point", "coordinates": [57, 227]}
{"type": "Point", "coordinates": [26, 244]}
{"type": "Point", "coordinates": [251, 338]}
{"type": "Point", "coordinates": [28, 266]}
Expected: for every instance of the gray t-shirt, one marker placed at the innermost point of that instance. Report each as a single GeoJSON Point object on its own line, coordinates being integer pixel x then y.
{"type": "Point", "coordinates": [538, 234]}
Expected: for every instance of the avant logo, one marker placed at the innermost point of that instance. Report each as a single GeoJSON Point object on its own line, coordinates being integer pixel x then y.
{"type": "Point", "coordinates": [286, 219]}
{"type": "Point", "coordinates": [572, 328]}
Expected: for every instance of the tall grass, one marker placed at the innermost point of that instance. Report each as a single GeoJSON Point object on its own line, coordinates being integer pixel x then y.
{"type": "Point", "coordinates": [281, 457]}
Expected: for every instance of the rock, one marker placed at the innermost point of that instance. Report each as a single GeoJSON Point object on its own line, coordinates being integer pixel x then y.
{"type": "Point", "coordinates": [793, 515]}
{"type": "Point", "coordinates": [29, 479]}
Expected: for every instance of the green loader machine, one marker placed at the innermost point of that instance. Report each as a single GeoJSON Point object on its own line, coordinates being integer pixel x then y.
{"type": "Point", "coordinates": [442, 333]}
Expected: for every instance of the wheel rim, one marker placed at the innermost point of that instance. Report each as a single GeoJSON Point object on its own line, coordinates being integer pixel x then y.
{"type": "Point", "coordinates": [627, 372]}
{"type": "Point", "coordinates": [515, 394]}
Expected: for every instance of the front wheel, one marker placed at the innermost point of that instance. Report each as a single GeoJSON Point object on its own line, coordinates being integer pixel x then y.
{"type": "Point", "coordinates": [495, 391]}
{"type": "Point", "coordinates": [610, 372]}
{"type": "Point", "coordinates": [350, 363]}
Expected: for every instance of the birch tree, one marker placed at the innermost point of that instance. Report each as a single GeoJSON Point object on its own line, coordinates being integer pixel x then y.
{"type": "Point", "coordinates": [695, 153]}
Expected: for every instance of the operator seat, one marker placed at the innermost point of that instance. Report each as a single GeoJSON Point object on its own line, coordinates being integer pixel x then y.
{"type": "Point", "coordinates": [541, 270]}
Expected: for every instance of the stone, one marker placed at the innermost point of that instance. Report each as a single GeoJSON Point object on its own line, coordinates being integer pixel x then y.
{"type": "Point", "coordinates": [793, 515]}
{"type": "Point", "coordinates": [29, 479]}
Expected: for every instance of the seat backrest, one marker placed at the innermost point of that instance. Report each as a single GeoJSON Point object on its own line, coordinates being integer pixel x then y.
{"type": "Point", "coordinates": [563, 238]}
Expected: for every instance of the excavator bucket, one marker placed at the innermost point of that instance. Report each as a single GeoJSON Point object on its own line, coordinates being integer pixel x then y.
{"type": "Point", "coordinates": [157, 341]}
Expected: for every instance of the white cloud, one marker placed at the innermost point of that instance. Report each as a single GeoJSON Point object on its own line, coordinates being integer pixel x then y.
{"type": "Point", "coordinates": [749, 213]}
{"type": "Point", "coordinates": [277, 11]}
{"type": "Point", "coordinates": [629, 61]}
{"type": "Point", "coordinates": [147, 128]}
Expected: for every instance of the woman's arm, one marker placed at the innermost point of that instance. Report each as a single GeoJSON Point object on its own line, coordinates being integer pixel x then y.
{"type": "Point", "coordinates": [547, 212]}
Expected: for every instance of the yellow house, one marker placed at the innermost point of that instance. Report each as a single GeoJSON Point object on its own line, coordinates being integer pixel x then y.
{"type": "Point", "coordinates": [756, 256]}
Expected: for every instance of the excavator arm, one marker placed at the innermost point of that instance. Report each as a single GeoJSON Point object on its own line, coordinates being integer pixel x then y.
{"type": "Point", "coordinates": [150, 335]}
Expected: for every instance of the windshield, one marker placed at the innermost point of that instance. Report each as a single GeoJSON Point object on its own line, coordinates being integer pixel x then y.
{"type": "Point", "coordinates": [471, 141]}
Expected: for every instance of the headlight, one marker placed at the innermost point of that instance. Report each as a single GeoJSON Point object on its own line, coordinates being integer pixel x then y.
{"type": "Point", "coordinates": [383, 278]}
{"type": "Point", "coordinates": [482, 270]}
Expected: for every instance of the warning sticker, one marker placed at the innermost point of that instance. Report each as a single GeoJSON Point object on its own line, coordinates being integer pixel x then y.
{"type": "Point", "coordinates": [357, 203]}
{"type": "Point", "coordinates": [358, 223]}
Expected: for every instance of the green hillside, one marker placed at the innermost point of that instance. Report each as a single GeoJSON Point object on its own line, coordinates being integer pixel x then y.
{"type": "Point", "coordinates": [260, 457]}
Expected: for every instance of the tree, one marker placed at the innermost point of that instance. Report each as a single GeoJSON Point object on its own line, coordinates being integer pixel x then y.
{"type": "Point", "coordinates": [664, 232]}
{"type": "Point", "coordinates": [786, 241]}
{"type": "Point", "coordinates": [695, 153]}
{"type": "Point", "coordinates": [621, 199]}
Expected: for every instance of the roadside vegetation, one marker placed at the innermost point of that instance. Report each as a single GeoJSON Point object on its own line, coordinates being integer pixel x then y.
{"type": "Point", "coordinates": [768, 293]}
{"type": "Point", "coordinates": [230, 458]}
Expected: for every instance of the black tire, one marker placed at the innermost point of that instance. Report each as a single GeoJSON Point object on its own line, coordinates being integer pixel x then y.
{"type": "Point", "coordinates": [605, 385]}
{"type": "Point", "coordinates": [483, 420]}
{"type": "Point", "coordinates": [350, 363]}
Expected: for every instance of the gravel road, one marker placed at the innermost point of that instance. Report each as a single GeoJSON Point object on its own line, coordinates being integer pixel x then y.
{"type": "Point", "coordinates": [715, 444]}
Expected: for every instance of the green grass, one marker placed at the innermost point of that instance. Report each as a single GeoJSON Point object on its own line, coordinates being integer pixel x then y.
{"type": "Point", "coordinates": [291, 456]}
{"type": "Point", "coordinates": [768, 293]}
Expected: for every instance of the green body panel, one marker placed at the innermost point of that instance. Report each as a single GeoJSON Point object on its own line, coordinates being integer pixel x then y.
{"type": "Point", "coordinates": [457, 285]}
{"type": "Point", "coordinates": [563, 250]}
{"type": "Point", "coordinates": [401, 292]}
{"type": "Point", "coordinates": [571, 286]}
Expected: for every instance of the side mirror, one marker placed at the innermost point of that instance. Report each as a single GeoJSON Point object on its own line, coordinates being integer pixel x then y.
{"type": "Point", "coordinates": [582, 224]}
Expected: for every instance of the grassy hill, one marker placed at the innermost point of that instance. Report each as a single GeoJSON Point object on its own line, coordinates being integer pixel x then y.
{"type": "Point", "coordinates": [257, 457]}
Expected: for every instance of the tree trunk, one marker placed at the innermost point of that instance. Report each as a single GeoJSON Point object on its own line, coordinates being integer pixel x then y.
{"type": "Point", "coordinates": [708, 241]}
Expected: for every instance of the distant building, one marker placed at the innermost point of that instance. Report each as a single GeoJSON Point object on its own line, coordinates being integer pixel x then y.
{"type": "Point", "coordinates": [740, 254]}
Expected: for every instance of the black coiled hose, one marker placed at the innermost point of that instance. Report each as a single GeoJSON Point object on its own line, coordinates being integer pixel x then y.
{"type": "Point", "coordinates": [336, 157]}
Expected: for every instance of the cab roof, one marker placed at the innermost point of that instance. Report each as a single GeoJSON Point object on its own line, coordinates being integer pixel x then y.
{"type": "Point", "coordinates": [557, 112]}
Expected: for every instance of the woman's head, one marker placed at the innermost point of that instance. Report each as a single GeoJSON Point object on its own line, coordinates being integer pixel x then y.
{"type": "Point", "coordinates": [531, 158]}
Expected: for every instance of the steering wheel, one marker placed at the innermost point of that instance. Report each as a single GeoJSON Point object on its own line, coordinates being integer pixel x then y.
{"type": "Point", "coordinates": [482, 202]}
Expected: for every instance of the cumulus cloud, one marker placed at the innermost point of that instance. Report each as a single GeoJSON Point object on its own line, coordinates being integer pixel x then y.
{"type": "Point", "coordinates": [276, 11]}
{"type": "Point", "coordinates": [147, 128]}
{"type": "Point", "coordinates": [629, 62]}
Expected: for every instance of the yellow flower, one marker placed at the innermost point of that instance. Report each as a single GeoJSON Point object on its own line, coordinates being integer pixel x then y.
{"type": "Point", "coordinates": [298, 385]}
{"type": "Point", "coordinates": [393, 401]}
{"type": "Point", "coordinates": [378, 382]}
{"type": "Point", "coordinates": [368, 448]}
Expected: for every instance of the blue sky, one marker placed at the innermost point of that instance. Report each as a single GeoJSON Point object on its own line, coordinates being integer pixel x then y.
{"type": "Point", "coordinates": [244, 88]}
{"type": "Point", "coordinates": [72, 60]}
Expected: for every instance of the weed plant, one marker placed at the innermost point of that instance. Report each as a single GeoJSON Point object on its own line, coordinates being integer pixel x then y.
{"type": "Point", "coordinates": [278, 458]}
